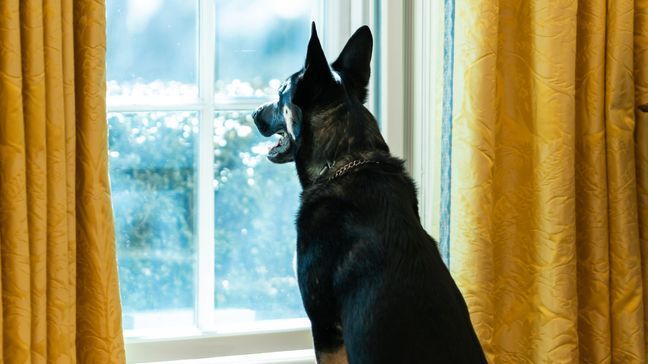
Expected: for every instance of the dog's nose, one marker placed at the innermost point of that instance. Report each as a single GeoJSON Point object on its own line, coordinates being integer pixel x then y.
{"type": "Point", "coordinates": [255, 113]}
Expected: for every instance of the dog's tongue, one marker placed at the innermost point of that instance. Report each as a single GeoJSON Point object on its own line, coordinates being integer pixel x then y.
{"type": "Point", "coordinates": [276, 148]}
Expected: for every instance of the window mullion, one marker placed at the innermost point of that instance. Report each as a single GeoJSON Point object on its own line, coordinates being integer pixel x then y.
{"type": "Point", "coordinates": [153, 107]}
{"type": "Point", "coordinates": [205, 240]}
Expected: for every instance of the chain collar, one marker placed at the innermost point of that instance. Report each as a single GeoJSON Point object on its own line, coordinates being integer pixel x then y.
{"type": "Point", "coordinates": [347, 167]}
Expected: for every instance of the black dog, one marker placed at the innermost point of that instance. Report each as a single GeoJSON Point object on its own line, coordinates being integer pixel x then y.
{"type": "Point", "coordinates": [372, 280]}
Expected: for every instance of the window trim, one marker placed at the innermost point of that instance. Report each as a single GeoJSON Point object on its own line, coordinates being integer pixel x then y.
{"type": "Point", "coordinates": [392, 73]}
{"type": "Point", "coordinates": [336, 20]}
{"type": "Point", "coordinates": [425, 105]}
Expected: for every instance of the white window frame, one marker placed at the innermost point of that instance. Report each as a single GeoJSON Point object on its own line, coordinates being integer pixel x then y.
{"type": "Point", "coordinates": [424, 106]}
{"type": "Point", "coordinates": [336, 21]}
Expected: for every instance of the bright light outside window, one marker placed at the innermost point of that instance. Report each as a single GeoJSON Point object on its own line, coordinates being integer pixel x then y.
{"type": "Point", "coordinates": [183, 147]}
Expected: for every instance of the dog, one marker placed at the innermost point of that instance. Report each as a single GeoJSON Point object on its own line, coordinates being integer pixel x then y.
{"type": "Point", "coordinates": [372, 281]}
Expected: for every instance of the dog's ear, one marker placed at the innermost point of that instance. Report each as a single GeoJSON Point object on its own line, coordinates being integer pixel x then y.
{"type": "Point", "coordinates": [317, 72]}
{"type": "Point", "coordinates": [354, 61]}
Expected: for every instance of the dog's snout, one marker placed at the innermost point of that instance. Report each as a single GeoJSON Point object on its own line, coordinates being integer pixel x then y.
{"type": "Point", "coordinates": [263, 118]}
{"type": "Point", "coordinates": [260, 113]}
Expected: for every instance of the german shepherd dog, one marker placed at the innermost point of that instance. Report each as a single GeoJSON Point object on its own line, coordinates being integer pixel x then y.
{"type": "Point", "coordinates": [372, 280]}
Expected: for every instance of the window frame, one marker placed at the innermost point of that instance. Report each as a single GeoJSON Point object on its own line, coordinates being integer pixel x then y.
{"type": "Point", "coordinates": [425, 105]}
{"type": "Point", "coordinates": [336, 20]}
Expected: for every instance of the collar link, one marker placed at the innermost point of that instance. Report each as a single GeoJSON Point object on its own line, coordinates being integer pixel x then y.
{"type": "Point", "coordinates": [344, 169]}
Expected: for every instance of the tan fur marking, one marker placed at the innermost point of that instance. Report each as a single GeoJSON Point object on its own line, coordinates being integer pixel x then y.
{"type": "Point", "coordinates": [288, 117]}
{"type": "Point", "coordinates": [336, 357]}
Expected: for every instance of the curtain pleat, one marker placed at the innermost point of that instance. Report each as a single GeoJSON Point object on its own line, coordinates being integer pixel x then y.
{"type": "Point", "coordinates": [474, 143]}
{"type": "Point", "coordinates": [60, 327]}
{"type": "Point", "coordinates": [591, 185]}
{"type": "Point", "coordinates": [625, 255]}
{"type": "Point", "coordinates": [60, 298]}
{"type": "Point", "coordinates": [641, 142]}
{"type": "Point", "coordinates": [69, 87]}
{"type": "Point", "coordinates": [16, 305]}
{"type": "Point", "coordinates": [98, 289]}
{"type": "Point", "coordinates": [549, 178]}
{"type": "Point", "coordinates": [35, 131]}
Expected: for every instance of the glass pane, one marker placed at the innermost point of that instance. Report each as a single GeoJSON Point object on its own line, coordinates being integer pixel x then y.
{"type": "Point", "coordinates": [151, 50]}
{"type": "Point", "coordinates": [256, 204]}
{"type": "Point", "coordinates": [153, 187]}
{"type": "Point", "coordinates": [259, 42]}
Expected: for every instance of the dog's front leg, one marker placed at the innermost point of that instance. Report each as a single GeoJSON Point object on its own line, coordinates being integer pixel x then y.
{"type": "Point", "coordinates": [329, 346]}
{"type": "Point", "coordinates": [337, 357]}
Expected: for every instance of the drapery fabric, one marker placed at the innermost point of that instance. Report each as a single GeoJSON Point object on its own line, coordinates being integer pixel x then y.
{"type": "Point", "coordinates": [60, 298]}
{"type": "Point", "coordinates": [549, 220]}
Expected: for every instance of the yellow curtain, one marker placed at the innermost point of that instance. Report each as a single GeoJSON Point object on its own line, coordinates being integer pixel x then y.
{"type": "Point", "coordinates": [60, 300]}
{"type": "Point", "coordinates": [549, 224]}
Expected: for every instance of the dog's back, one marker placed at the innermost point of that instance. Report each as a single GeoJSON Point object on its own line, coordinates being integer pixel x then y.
{"type": "Point", "coordinates": [391, 294]}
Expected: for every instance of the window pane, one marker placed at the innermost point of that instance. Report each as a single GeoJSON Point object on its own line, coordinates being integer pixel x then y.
{"type": "Point", "coordinates": [258, 42]}
{"type": "Point", "coordinates": [151, 49]}
{"type": "Point", "coordinates": [152, 180]}
{"type": "Point", "coordinates": [256, 204]}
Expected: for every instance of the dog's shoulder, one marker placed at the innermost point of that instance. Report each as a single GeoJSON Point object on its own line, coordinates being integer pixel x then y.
{"type": "Point", "coordinates": [321, 206]}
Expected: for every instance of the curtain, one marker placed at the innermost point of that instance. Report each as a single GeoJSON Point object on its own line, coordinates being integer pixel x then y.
{"type": "Point", "coordinates": [549, 220]}
{"type": "Point", "coordinates": [60, 299]}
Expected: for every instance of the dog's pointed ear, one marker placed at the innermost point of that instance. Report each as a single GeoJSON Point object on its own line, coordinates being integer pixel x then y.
{"type": "Point", "coordinates": [316, 76]}
{"type": "Point", "coordinates": [316, 67]}
{"type": "Point", "coordinates": [355, 59]}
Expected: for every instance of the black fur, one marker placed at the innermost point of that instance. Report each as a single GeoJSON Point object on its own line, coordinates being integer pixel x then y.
{"type": "Point", "coordinates": [372, 280]}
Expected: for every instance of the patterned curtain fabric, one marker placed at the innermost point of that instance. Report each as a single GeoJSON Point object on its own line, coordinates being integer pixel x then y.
{"type": "Point", "coordinates": [549, 223]}
{"type": "Point", "coordinates": [60, 299]}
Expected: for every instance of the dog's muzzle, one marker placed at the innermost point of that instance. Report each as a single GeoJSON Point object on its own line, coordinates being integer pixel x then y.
{"type": "Point", "coordinates": [264, 121]}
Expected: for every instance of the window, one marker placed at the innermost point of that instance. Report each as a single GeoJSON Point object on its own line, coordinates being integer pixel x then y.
{"type": "Point", "coordinates": [205, 225]}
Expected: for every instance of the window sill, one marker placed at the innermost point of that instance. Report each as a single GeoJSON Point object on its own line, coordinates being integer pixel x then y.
{"type": "Point", "coordinates": [250, 343]}
{"type": "Point", "coordinates": [283, 357]}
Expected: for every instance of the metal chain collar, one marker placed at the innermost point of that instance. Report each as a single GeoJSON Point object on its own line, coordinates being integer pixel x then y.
{"type": "Point", "coordinates": [345, 168]}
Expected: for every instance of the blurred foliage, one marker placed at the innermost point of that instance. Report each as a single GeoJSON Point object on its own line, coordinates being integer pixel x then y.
{"type": "Point", "coordinates": [153, 159]}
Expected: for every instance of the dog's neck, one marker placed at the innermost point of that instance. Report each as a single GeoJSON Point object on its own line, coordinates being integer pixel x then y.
{"type": "Point", "coordinates": [322, 167]}
{"type": "Point", "coordinates": [325, 172]}
{"type": "Point", "coordinates": [349, 164]}
{"type": "Point", "coordinates": [335, 136]}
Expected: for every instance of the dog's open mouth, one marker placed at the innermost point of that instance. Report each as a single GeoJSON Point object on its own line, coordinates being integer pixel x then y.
{"type": "Point", "coordinates": [283, 144]}
{"type": "Point", "coordinates": [281, 152]}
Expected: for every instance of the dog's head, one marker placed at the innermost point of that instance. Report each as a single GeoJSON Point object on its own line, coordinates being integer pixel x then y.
{"type": "Point", "coordinates": [320, 111]}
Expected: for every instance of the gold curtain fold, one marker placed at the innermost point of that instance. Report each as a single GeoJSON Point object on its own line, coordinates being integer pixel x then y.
{"type": "Point", "coordinates": [549, 224]}
{"type": "Point", "coordinates": [60, 298]}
